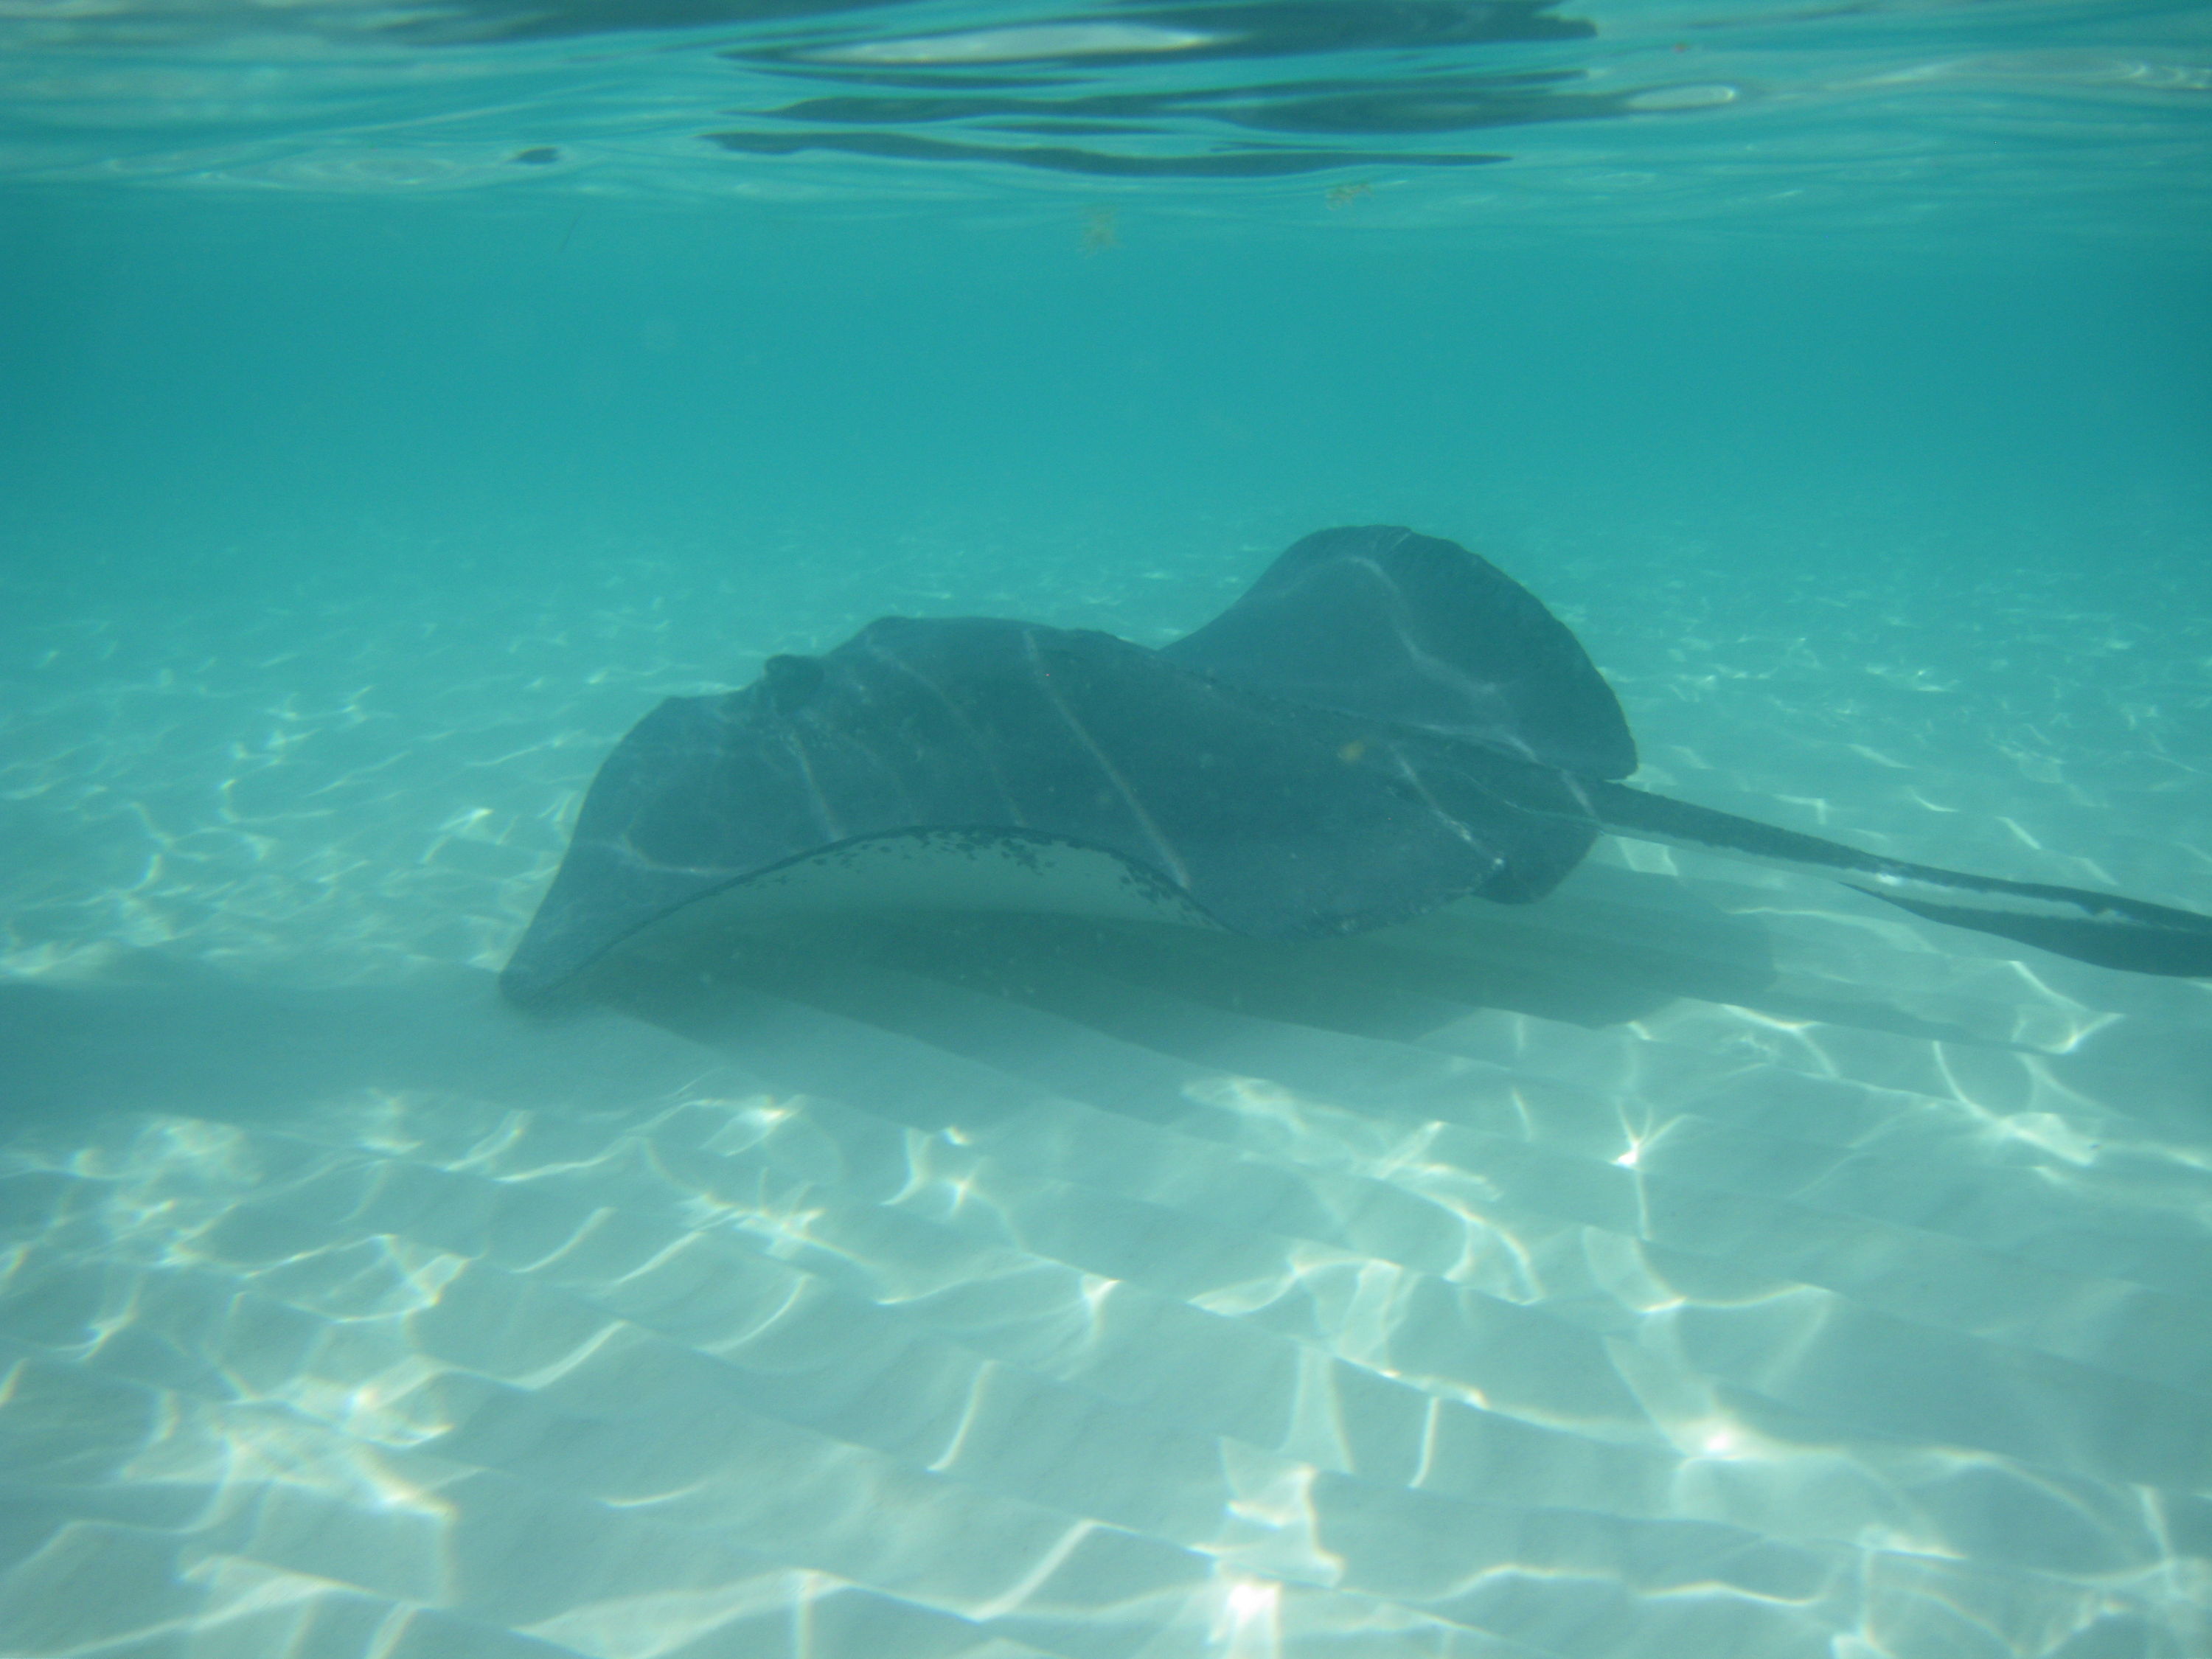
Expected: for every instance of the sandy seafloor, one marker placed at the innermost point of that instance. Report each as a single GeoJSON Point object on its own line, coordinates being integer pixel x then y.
{"type": "Point", "coordinates": [1537, 1282]}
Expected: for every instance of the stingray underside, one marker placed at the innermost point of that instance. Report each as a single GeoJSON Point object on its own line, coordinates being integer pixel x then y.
{"type": "Point", "coordinates": [1205, 783]}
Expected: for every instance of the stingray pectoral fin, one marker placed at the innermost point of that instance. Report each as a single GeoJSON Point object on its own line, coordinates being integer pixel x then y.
{"type": "Point", "coordinates": [2106, 929]}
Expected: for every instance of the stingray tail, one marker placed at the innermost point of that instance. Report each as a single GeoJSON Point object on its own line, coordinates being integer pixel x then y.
{"type": "Point", "coordinates": [2104, 928]}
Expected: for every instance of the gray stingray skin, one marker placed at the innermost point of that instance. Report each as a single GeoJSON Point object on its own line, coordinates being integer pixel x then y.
{"type": "Point", "coordinates": [1382, 724]}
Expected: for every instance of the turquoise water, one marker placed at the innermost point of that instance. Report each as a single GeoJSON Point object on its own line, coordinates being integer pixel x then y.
{"type": "Point", "coordinates": [397, 402]}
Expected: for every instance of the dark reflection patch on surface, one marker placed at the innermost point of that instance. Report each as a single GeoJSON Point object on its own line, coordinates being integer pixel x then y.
{"type": "Point", "coordinates": [1435, 106]}
{"type": "Point", "coordinates": [1104, 72]}
{"type": "Point", "coordinates": [918, 80]}
{"type": "Point", "coordinates": [1224, 164]}
{"type": "Point", "coordinates": [1046, 127]}
{"type": "Point", "coordinates": [1440, 104]}
{"type": "Point", "coordinates": [1230, 29]}
{"type": "Point", "coordinates": [1107, 113]}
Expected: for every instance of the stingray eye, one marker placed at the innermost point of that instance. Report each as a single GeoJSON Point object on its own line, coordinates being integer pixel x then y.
{"type": "Point", "coordinates": [788, 682]}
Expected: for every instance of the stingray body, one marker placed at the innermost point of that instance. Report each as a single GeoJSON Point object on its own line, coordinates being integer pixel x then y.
{"type": "Point", "coordinates": [1383, 724]}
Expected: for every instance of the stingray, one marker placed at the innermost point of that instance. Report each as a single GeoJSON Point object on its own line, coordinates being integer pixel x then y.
{"type": "Point", "coordinates": [1383, 724]}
